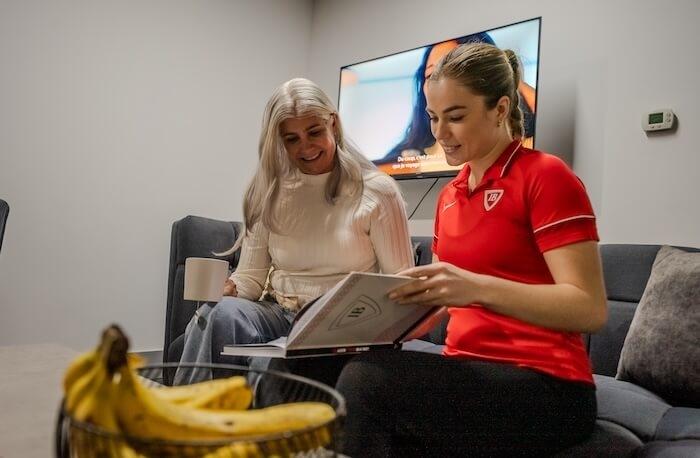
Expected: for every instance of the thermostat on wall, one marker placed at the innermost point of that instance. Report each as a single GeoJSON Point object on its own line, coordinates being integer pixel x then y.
{"type": "Point", "coordinates": [658, 120]}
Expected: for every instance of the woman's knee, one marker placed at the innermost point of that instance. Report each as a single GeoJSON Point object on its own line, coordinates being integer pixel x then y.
{"type": "Point", "coordinates": [230, 320]}
{"type": "Point", "coordinates": [369, 373]}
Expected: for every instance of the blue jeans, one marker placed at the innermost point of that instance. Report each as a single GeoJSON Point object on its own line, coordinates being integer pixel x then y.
{"type": "Point", "coordinates": [232, 321]}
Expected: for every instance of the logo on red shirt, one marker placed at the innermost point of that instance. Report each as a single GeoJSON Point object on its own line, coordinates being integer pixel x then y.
{"type": "Point", "coordinates": [491, 198]}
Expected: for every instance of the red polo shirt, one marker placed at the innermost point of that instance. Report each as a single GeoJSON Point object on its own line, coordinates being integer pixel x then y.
{"type": "Point", "coordinates": [528, 202]}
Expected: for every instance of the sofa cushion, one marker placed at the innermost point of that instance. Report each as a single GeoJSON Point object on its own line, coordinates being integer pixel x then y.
{"type": "Point", "coordinates": [608, 439]}
{"type": "Point", "coordinates": [628, 405]}
{"type": "Point", "coordinates": [679, 423]}
{"type": "Point", "coordinates": [670, 449]}
{"type": "Point", "coordinates": [661, 351]}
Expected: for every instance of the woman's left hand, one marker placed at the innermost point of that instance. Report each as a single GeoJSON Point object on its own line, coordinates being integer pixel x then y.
{"type": "Point", "coordinates": [439, 283]}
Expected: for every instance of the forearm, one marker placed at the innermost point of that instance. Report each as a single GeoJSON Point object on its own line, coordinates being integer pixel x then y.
{"type": "Point", "coordinates": [389, 234]}
{"type": "Point", "coordinates": [563, 307]}
{"type": "Point", "coordinates": [249, 283]}
{"type": "Point", "coordinates": [254, 264]}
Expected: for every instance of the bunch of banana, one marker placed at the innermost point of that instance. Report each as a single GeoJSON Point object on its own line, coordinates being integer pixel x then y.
{"type": "Point", "coordinates": [102, 388]}
{"type": "Point", "coordinates": [145, 414]}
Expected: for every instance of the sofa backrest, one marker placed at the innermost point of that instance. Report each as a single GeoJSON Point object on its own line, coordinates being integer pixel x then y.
{"type": "Point", "coordinates": [192, 236]}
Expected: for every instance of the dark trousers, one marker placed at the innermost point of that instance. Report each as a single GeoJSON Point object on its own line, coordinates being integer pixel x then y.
{"type": "Point", "coordinates": [324, 369]}
{"type": "Point", "coordinates": [403, 403]}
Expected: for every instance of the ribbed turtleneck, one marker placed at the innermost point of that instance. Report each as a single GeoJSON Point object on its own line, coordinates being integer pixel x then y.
{"type": "Point", "coordinates": [318, 243]}
{"type": "Point", "coordinates": [313, 180]}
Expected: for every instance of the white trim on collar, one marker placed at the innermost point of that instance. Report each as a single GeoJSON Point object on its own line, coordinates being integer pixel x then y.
{"type": "Point", "coordinates": [503, 170]}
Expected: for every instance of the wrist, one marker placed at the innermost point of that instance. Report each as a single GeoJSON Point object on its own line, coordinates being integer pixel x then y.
{"type": "Point", "coordinates": [483, 289]}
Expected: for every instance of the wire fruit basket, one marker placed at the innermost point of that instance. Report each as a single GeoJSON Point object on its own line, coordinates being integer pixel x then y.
{"type": "Point", "coordinates": [75, 439]}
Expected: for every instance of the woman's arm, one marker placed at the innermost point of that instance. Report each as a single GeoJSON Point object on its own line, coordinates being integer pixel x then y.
{"type": "Point", "coordinates": [527, 92]}
{"type": "Point", "coordinates": [388, 228]}
{"type": "Point", "coordinates": [576, 302]}
{"type": "Point", "coordinates": [254, 264]}
{"type": "Point", "coordinates": [431, 322]}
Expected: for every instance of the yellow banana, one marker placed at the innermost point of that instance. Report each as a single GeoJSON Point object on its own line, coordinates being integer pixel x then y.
{"type": "Point", "coordinates": [230, 393]}
{"type": "Point", "coordinates": [237, 450]}
{"type": "Point", "coordinates": [143, 414]}
{"type": "Point", "coordinates": [90, 398]}
{"type": "Point", "coordinates": [80, 365]}
{"type": "Point", "coordinates": [81, 388]}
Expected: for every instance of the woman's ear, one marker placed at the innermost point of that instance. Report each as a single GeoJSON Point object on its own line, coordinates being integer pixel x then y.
{"type": "Point", "coordinates": [503, 108]}
{"type": "Point", "coordinates": [334, 125]}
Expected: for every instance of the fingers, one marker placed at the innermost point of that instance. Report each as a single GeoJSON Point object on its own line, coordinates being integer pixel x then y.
{"type": "Point", "coordinates": [230, 288]}
{"type": "Point", "coordinates": [426, 297]}
{"type": "Point", "coordinates": [427, 270]}
{"type": "Point", "coordinates": [417, 286]}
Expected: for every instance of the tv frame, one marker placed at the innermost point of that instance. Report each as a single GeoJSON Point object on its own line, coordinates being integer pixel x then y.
{"type": "Point", "coordinates": [452, 173]}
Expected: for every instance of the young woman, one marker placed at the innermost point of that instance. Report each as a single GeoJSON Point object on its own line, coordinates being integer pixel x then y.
{"type": "Point", "coordinates": [315, 210]}
{"type": "Point", "coordinates": [518, 271]}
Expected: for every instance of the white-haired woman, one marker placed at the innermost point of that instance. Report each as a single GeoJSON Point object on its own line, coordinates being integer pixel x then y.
{"type": "Point", "coordinates": [315, 210]}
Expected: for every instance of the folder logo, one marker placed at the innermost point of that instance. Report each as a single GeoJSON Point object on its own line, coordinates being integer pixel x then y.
{"type": "Point", "coordinates": [360, 310]}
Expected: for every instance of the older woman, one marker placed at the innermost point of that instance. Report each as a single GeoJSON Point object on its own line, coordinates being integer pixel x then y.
{"type": "Point", "coordinates": [316, 209]}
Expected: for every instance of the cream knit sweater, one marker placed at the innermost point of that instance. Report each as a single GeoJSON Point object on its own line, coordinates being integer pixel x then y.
{"type": "Point", "coordinates": [321, 242]}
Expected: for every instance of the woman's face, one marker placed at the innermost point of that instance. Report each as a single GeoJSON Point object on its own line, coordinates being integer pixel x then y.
{"type": "Point", "coordinates": [460, 121]}
{"type": "Point", "coordinates": [310, 143]}
{"type": "Point", "coordinates": [436, 53]}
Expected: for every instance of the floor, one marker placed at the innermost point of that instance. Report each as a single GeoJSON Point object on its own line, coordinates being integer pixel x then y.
{"type": "Point", "coordinates": [30, 393]}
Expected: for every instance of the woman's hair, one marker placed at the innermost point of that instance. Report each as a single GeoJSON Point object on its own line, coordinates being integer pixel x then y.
{"type": "Point", "coordinates": [486, 71]}
{"type": "Point", "coordinates": [297, 98]}
{"type": "Point", "coordinates": [418, 134]}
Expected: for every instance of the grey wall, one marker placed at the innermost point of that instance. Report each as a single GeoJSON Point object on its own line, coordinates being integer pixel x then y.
{"type": "Point", "coordinates": [603, 64]}
{"type": "Point", "coordinates": [117, 118]}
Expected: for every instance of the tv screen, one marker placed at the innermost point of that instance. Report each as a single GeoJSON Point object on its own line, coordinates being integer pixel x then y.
{"type": "Point", "coordinates": [382, 105]}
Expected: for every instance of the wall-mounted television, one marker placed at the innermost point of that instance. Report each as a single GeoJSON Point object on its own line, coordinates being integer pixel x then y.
{"type": "Point", "coordinates": [382, 105]}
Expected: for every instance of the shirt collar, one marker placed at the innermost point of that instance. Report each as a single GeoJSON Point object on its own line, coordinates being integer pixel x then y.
{"type": "Point", "coordinates": [496, 170]}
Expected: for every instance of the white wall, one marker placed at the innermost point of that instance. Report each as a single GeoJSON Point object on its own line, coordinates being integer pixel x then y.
{"type": "Point", "coordinates": [117, 118]}
{"type": "Point", "coordinates": [603, 64]}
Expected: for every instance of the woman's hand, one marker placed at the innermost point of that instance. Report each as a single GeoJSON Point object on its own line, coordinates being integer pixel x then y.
{"type": "Point", "coordinates": [439, 283]}
{"type": "Point", "coordinates": [230, 288]}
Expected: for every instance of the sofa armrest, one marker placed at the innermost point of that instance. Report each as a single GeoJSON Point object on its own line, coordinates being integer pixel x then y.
{"type": "Point", "coordinates": [192, 236]}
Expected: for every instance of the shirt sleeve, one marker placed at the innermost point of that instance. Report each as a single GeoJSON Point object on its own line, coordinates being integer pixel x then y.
{"type": "Point", "coordinates": [560, 210]}
{"type": "Point", "coordinates": [389, 227]}
{"type": "Point", "coordinates": [254, 264]}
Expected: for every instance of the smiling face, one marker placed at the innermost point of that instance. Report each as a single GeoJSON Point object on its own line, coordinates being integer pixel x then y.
{"type": "Point", "coordinates": [310, 143]}
{"type": "Point", "coordinates": [462, 124]}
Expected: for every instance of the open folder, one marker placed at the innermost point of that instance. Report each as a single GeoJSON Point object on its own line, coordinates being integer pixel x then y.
{"type": "Point", "coordinates": [354, 316]}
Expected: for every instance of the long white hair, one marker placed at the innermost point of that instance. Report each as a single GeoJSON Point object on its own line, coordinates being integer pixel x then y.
{"type": "Point", "coordinates": [297, 98]}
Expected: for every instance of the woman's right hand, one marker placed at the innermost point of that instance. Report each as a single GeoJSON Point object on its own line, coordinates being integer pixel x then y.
{"type": "Point", "coordinates": [230, 288]}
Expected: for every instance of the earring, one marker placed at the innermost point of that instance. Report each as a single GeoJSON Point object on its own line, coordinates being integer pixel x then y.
{"type": "Point", "coordinates": [499, 123]}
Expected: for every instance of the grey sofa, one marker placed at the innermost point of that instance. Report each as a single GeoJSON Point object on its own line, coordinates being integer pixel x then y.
{"type": "Point", "coordinates": [631, 420]}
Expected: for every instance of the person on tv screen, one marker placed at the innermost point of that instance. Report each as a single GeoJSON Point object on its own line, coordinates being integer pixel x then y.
{"type": "Point", "coordinates": [315, 210]}
{"type": "Point", "coordinates": [516, 267]}
{"type": "Point", "coordinates": [418, 149]}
